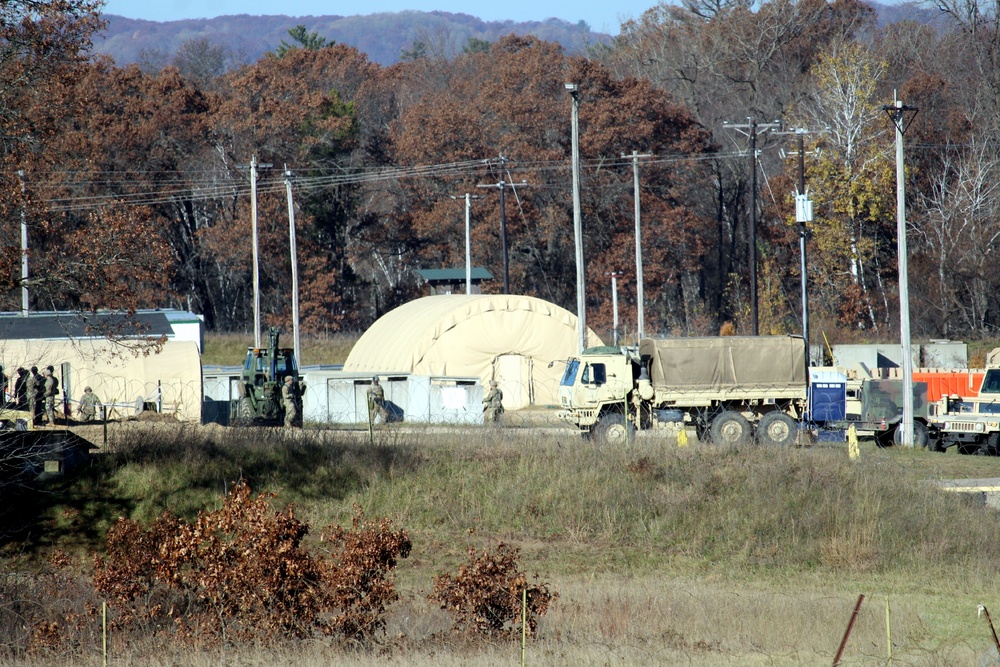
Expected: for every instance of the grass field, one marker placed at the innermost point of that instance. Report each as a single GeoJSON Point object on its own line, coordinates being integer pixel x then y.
{"type": "Point", "coordinates": [230, 349]}
{"type": "Point", "coordinates": [660, 555]}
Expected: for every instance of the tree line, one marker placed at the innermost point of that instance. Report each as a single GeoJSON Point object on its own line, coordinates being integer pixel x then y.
{"type": "Point", "coordinates": [135, 191]}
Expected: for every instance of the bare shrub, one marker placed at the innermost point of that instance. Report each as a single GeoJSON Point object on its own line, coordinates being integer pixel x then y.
{"type": "Point", "coordinates": [241, 573]}
{"type": "Point", "coordinates": [485, 596]}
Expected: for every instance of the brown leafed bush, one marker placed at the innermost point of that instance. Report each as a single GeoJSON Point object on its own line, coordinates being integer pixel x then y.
{"type": "Point", "coordinates": [52, 612]}
{"type": "Point", "coordinates": [359, 574]}
{"type": "Point", "coordinates": [485, 596]}
{"type": "Point", "coordinates": [241, 573]}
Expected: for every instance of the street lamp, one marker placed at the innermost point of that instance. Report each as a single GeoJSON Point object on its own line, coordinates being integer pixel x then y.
{"type": "Point", "coordinates": [468, 252]}
{"type": "Point", "coordinates": [581, 306]}
{"type": "Point", "coordinates": [614, 275]}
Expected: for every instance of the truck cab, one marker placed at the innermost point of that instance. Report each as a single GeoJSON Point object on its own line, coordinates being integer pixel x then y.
{"type": "Point", "coordinates": [595, 389]}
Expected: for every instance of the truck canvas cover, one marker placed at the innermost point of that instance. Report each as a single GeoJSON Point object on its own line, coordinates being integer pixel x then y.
{"type": "Point", "coordinates": [726, 363]}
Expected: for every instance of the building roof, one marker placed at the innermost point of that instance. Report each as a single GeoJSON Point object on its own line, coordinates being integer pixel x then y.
{"type": "Point", "coordinates": [454, 275]}
{"type": "Point", "coordinates": [60, 325]}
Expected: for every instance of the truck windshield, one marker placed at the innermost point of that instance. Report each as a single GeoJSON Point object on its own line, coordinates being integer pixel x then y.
{"type": "Point", "coordinates": [991, 383]}
{"type": "Point", "coordinates": [569, 376]}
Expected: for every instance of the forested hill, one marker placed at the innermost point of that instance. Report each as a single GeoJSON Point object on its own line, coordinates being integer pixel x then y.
{"type": "Point", "coordinates": [383, 37]}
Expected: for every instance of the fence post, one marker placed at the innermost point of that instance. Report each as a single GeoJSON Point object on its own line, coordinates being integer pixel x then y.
{"type": "Point", "coordinates": [524, 624]}
{"type": "Point", "coordinates": [888, 630]}
{"type": "Point", "coordinates": [104, 631]}
{"type": "Point", "coordinates": [847, 633]}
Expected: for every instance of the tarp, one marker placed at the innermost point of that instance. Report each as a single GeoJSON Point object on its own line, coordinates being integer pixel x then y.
{"type": "Point", "coordinates": [509, 338]}
{"type": "Point", "coordinates": [723, 363]}
{"type": "Point", "coordinates": [114, 373]}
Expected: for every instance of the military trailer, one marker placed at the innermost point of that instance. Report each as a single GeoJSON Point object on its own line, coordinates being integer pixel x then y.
{"type": "Point", "coordinates": [723, 385]}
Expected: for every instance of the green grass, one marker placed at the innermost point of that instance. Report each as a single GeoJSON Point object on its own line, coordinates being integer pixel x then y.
{"type": "Point", "coordinates": [229, 349]}
{"type": "Point", "coordinates": [701, 555]}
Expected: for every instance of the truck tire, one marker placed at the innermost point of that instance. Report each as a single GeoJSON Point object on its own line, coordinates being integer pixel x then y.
{"type": "Point", "coordinates": [613, 429]}
{"type": "Point", "coordinates": [244, 412]}
{"type": "Point", "coordinates": [968, 448]}
{"type": "Point", "coordinates": [778, 429]}
{"type": "Point", "coordinates": [992, 446]}
{"type": "Point", "coordinates": [920, 436]}
{"type": "Point", "coordinates": [730, 428]}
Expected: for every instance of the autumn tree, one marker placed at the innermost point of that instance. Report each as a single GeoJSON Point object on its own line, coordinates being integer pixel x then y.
{"type": "Point", "coordinates": [508, 110]}
{"type": "Point", "coordinates": [79, 259]}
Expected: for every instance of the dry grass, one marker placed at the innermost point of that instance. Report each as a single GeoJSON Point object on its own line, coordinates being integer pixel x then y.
{"type": "Point", "coordinates": [660, 555]}
{"type": "Point", "coordinates": [230, 349]}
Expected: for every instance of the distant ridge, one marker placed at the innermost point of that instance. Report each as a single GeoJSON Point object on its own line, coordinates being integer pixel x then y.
{"type": "Point", "coordinates": [383, 37]}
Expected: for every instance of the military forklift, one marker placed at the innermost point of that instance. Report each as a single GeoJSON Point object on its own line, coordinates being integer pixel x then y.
{"type": "Point", "coordinates": [259, 386]}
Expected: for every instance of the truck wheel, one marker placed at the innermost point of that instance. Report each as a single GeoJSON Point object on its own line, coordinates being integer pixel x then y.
{"type": "Point", "coordinates": [244, 412]}
{"type": "Point", "coordinates": [967, 448]}
{"type": "Point", "coordinates": [992, 446]}
{"type": "Point", "coordinates": [730, 428]}
{"type": "Point", "coordinates": [920, 436]}
{"type": "Point", "coordinates": [613, 429]}
{"type": "Point", "coordinates": [777, 428]}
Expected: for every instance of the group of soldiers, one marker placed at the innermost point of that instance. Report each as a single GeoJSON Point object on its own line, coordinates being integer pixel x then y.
{"type": "Point", "coordinates": [37, 393]}
{"type": "Point", "coordinates": [291, 399]}
{"type": "Point", "coordinates": [377, 412]}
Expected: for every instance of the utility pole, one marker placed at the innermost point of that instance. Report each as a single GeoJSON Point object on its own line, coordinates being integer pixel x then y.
{"type": "Point", "coordinates": [897, 114]}
{"type": "Point", "coordinates": [639, 295]}
{"type": "Point", "coordinates": [503, 185]}
{"type": "Point", "coordinates": [256, 263]}
{"type": "Point", "coordinates": [295, 265]}
{"type": "Point", "coordinates": [24, 245]}
{"type": "Point", "coordinates": [752, 129]}
{"type": "Point", "coordinates": [803, 214]}
{"type": "Point", "coordinates": [468, 239]}
{"type": "Point", "coordinates": [614, 275]}
{"type": "Point", "coordinates": [581, 302]}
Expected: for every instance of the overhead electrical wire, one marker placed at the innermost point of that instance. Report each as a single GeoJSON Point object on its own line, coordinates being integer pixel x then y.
{"type": "Point", "coordinates": [218, 187]}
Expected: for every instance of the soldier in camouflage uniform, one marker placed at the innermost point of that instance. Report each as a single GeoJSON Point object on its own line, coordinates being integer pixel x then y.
{"type": "Point", "coordinates": [493, 404]}
{"type": "Point", "coordinates": [51, 391]}
{"type": "Point", "coordinates": [291, 401]}
{"type": "Point", "coordinates": [376, 403]}
{"type": "Point", "coordinates": [35, 386]}
{"type": "Point", "coordinates": [88, 405]}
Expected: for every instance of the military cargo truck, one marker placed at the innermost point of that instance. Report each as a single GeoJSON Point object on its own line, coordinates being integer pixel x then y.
{"type": "Point", "coordinates": [732, 389]}
{"type": "Point", "coordinates": [723, 385]}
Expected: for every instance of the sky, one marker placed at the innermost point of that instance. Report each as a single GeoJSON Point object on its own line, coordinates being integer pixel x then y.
{"type": "Point", "coordinates": [601, 15]}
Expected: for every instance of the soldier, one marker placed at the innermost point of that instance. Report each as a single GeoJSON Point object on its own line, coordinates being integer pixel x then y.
{"type": "Point", "coordinates": [88, 405]}
{"type": "Point", "coordinates": [21, 390]}
{"type": "Point", "coordinates": [290, 399]}
{"type": "Point", "coordinates": [376, 403]}
{"type": "Point", "coordinates": [493, 404]}
{"type": "Point", "coordinates": [35, 386]}
{"type": "Point", "coordinates": [51, 391]}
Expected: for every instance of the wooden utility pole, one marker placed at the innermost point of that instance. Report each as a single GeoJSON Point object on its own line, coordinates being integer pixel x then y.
{"type": "Point", "coordinates": [752, 129]}
{"type": "Point", "coordinates": [256, 262]}
{"type": "Point", "coordinates": [639, 294]}
{"type": "Point", "coordinates": [503, 185]}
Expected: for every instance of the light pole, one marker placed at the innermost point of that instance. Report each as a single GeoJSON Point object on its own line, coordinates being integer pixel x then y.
{"type": "Point", "coordinates": [468, 252]}
{"type": "Point", "coordinates": [897, 112]}
{"type": "Point", "coordinates": [614, 275]}
{"type": "Point", "coordinates": [581, 304]}
{"type": "Point", "coordinates": [640, 297]}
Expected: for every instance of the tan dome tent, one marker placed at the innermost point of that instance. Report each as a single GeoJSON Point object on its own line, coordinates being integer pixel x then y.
{"type": "Point", "coordinates": [508, 338]}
